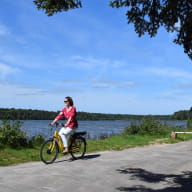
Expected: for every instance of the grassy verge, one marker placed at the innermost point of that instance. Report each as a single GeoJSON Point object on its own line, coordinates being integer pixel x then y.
{"type": "Point", "coordinates": [128, 141]}
{"type": "Point", "coordinates": [10, 156]}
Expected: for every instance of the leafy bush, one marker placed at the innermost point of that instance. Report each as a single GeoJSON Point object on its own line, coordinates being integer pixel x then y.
{"type": "Point", "coordinates": [12, 135]}
{"type": "Point", "coordinates": [36, 140]}
{"type": "Point", "coordinates": [148, 126]}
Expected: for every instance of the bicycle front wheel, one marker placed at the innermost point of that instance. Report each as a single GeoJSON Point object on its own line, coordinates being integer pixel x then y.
{"type": "Point", "coordinates": [49, 151]}
{"type": "Point", "coordinates": [78, 148]}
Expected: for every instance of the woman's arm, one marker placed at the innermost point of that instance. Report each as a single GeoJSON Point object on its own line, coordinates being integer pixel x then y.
{"type": "Point", "coordinates": [59, 116]}
{"type": "Point", "coordinates": [54, 121]}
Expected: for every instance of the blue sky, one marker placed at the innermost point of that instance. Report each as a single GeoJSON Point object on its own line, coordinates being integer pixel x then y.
{"type": "Point", "coordinates": [92, 55]}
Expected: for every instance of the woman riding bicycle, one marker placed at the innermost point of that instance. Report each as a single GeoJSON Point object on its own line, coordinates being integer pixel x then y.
{"type": "Point", "coordinates": [69, 112]}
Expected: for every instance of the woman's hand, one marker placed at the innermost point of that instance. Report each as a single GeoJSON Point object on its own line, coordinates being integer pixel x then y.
{"type": "Point", "coordinates": [53, 122]}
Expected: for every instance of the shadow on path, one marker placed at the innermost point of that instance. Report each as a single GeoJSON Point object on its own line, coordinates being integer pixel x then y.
{"type": "Point", "coordinates": [171, 182]}
{"type": "Point", "coordinates": [63, 160]}
{"type": "Point", "coordinates": [86, 157]}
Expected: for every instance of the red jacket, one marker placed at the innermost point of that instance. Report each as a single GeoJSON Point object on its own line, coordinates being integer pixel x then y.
{"type": "Point", "coordinates": [71, 113]}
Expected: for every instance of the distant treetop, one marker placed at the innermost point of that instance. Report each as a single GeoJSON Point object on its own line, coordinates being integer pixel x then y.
{"type": "Point", "coordinates": [53, 6]}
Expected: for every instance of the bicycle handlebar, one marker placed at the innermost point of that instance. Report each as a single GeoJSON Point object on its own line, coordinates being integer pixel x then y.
{"type": "Point", "coordinates": [56, 124]}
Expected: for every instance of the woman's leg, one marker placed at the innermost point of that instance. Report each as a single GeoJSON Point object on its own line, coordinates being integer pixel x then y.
{"type": "Point", "coordinates": [65, 134]}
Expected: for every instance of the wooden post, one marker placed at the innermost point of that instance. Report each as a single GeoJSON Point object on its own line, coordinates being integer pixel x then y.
{"type": "Point", "coordinates": [173, 135]}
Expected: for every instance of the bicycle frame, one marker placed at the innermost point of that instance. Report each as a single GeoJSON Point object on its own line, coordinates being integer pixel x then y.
{"type": "Point", "coordinates": [57, 138]}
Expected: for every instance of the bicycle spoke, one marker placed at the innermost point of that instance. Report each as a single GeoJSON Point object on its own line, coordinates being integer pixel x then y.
{"type": "Point", "coordinates": [49, 151]}
{"type": "Point", "coordinates": [78, 148]}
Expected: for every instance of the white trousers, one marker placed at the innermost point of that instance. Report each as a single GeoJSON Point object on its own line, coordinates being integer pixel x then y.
{"type": "Point", "coordinates": [65, 133]}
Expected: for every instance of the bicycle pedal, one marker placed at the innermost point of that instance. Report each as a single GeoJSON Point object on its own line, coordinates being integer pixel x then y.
{"type": "Point", "coordinates": [48, 152]}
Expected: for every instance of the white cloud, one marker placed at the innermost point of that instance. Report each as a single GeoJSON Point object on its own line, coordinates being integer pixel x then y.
{"type": "Point", "coordinates": [168, 72]}
{"type": "Point", "coordinates": [19, 90]}
{"type": "Point", "coordinates": [127, 103]}
{"type": "Point", "coordinates": [6, 70]}
{"type": "Point", "coordinates": [99, 82]}
{"type": "Point", "coordinates": [90, 63]}
{"type": "Point", "coordinates": [4, 30]}
{"type": "Point", "coordinates": [177, 96]}
{"type": "Point", "coordinates": [27, 60]}
{"type": "Point", "coordinates": [21, 96]}
{"type": "Point", "coordinates": [108, 83]}
{"type": "Point", "coordinates": [184, 86]}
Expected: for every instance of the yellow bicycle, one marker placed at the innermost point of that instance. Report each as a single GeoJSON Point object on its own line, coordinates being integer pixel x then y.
{"type": "Point", "coordinates": [50, 148]}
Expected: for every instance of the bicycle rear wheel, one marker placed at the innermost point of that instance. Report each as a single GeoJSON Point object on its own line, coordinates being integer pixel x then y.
{"type": "Point", "coordinates": [49, 151]}
{"type": "Point", "coordinates": [78, 147]}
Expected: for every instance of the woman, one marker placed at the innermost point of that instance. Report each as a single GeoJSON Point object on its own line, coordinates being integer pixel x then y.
{"type": "Point", "coordinates": [69, 112]}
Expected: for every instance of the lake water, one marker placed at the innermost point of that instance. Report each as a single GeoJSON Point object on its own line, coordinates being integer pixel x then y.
{"type": "Point", "coordinates": [93, 128]}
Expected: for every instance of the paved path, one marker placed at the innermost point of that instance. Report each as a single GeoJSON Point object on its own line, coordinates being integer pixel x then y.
{"type": "Point", "coordinates": [160, 168]}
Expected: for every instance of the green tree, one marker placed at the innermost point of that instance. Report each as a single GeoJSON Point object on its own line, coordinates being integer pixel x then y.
{"type": "Point", "coordinates": [146, 15]}
{"type": "Point", "coordinates": [54, 6]}
{"type": "Point", "coordinates": [188, 122]}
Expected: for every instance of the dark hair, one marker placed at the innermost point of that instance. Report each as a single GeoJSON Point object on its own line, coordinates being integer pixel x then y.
{"type": "Point", "coordinates": [70, 100]}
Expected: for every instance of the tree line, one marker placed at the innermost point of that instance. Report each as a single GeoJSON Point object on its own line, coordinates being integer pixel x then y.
{"type": "Point", "coordinates": [29, 114]}
{"type": "Point", "coordinates": [183, 114]}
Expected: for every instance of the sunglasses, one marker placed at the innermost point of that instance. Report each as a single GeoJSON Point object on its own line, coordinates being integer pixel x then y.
{"type": "Point", "coordinates": [66, 101]}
